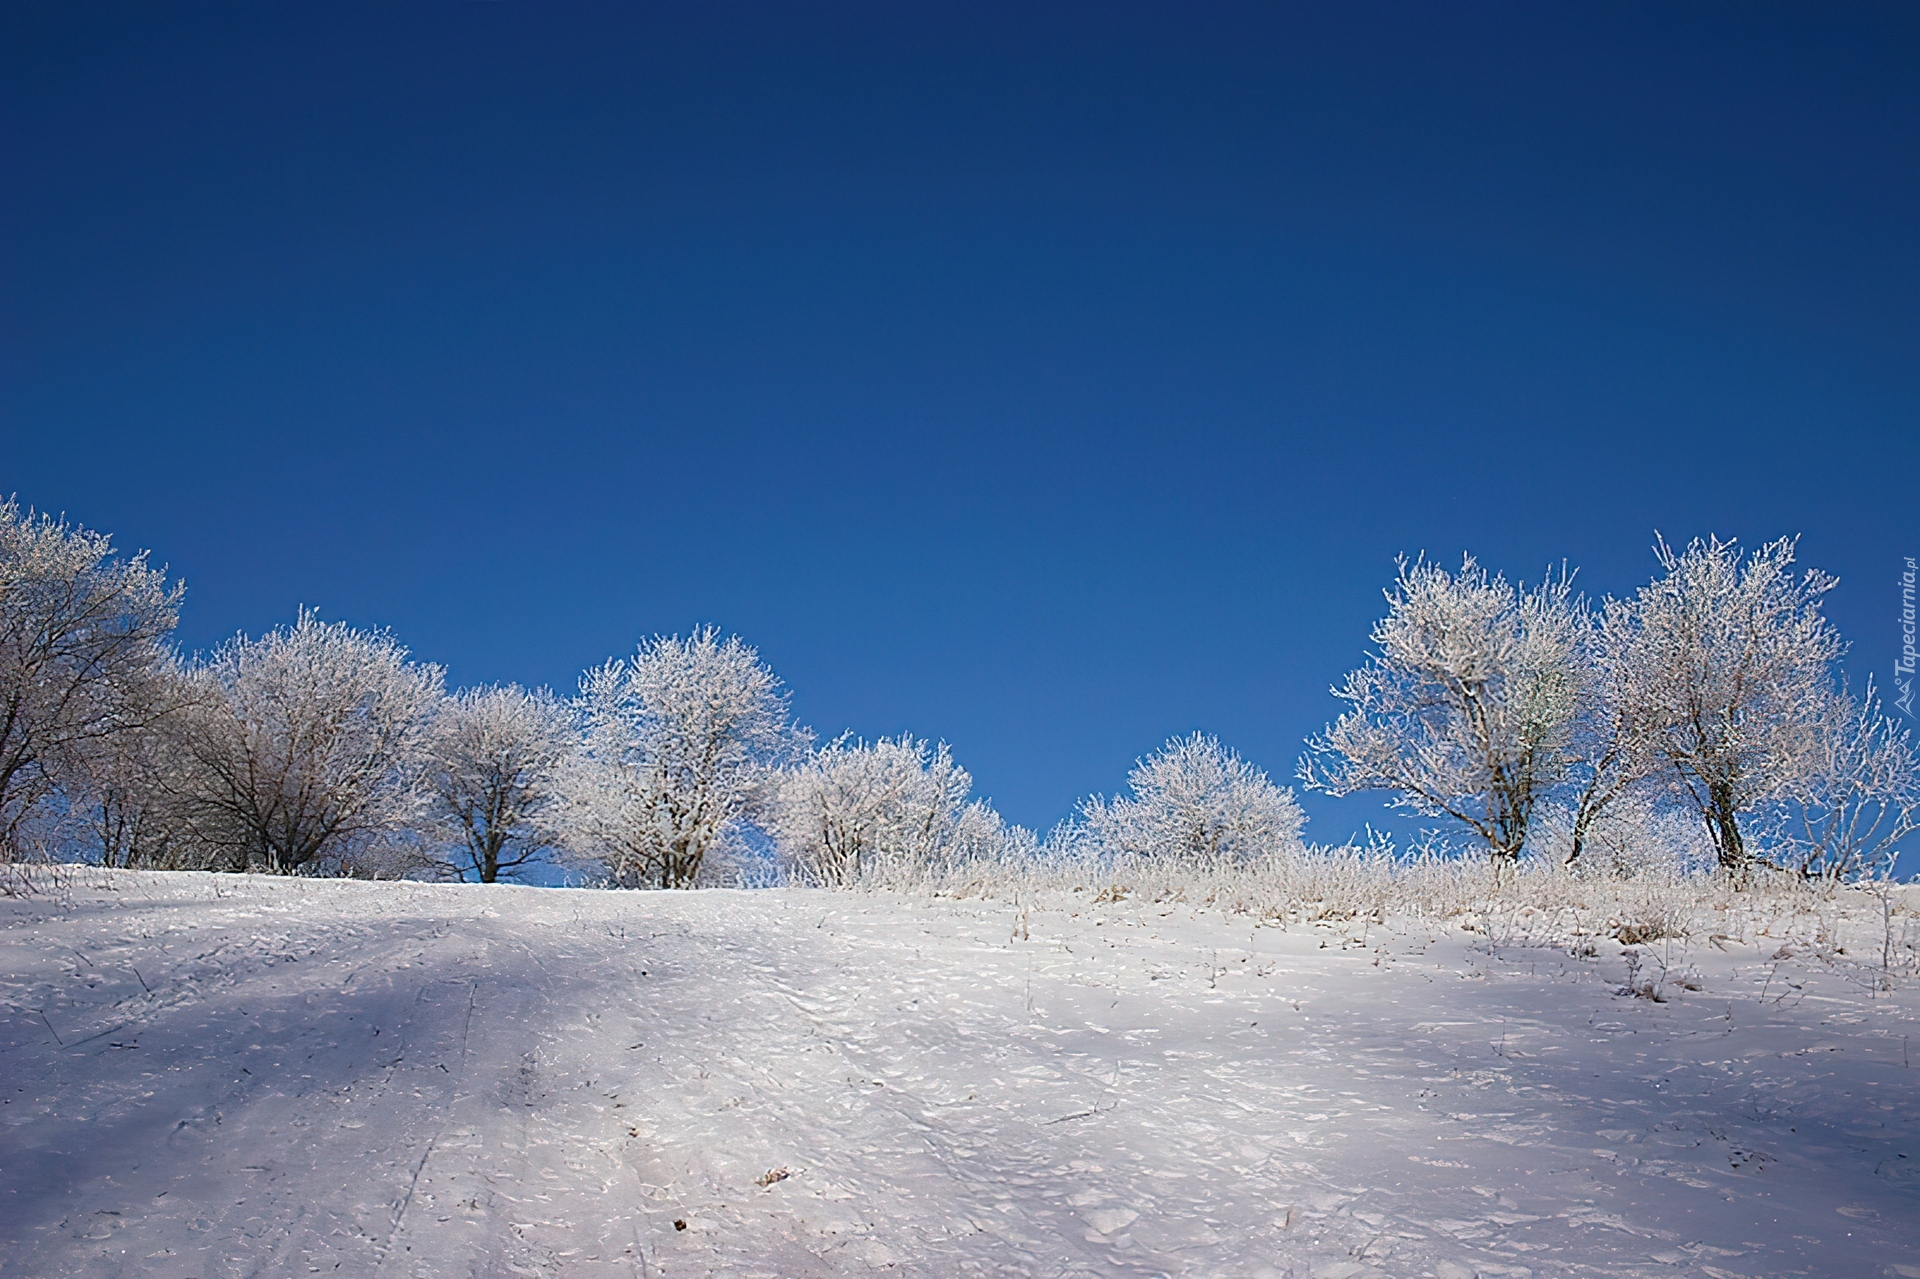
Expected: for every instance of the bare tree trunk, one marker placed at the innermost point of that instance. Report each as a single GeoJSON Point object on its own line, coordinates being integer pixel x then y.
{"type": "Point", "coordinates": [1724, 820]}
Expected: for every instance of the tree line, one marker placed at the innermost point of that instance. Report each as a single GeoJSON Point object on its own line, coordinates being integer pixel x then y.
{"type": "Point", "coordinates": [320, 748]}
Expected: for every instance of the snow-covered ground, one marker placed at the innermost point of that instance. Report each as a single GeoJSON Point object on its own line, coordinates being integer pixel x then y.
{"type": "Point", "coordinates": [218, 1076]}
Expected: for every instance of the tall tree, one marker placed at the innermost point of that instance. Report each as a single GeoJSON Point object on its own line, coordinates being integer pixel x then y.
{"type": "Point", "coordinates": [1466, 708]}
{"type": "Point", "coordinates": [80, 654]}
{"type": "Point", "coordinates": [1731, 665]}
{"type": "Point", "coordinates": [303, 749]}
{"type": "Point", "coordinates": [682, 744]}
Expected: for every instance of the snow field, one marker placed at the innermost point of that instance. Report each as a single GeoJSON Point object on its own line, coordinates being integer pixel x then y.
{"type": "Point", "coordinates": [224, 1076]}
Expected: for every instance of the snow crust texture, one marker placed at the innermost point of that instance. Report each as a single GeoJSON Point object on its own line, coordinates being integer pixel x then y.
{"type": "Point", "coordinates": [214, 1076]}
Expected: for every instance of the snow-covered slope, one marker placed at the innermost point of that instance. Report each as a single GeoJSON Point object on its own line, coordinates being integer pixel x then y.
{"type": "Point", "coordinates": [220, 1076]}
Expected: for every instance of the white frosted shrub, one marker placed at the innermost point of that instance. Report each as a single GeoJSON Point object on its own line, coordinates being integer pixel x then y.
{"type": "Point", "coordinates": [1633, 835]}
{"type": "Point", "coordinates": [851, 805]}
{"type": "Point", "coordinates": [1196, 803]}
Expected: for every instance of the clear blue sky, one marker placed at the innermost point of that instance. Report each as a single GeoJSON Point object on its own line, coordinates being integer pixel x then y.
{"type": "Point", "coordinates": [1050, 379]}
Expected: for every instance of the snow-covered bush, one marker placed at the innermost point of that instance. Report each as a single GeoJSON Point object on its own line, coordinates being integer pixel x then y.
{"type": "Point", "coordinates": [494, 761]}
{"type": "Point", "coordinates": [681, 745]}
{"type": "Point", "coordinates": [850, 804]}
{"type": "Point", "coordinates": [1195, 802]}
{"type": "Point", "coordinates": [81, 662]}
{"type": "Point", "coordinates": [1466, 709]}
{"type": "Point", "coordinates": [300, 751]}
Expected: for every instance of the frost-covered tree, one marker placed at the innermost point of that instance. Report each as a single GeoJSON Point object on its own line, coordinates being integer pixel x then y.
{"type": "Point", "coordinates": [1466, 708]}
{"type": "Point", "coordinates": [304, 749]}
{"type": "Point", "coordinates": [681, 745]}
{"type": "Point", "coordinates": [1846, 813]}
{"type": "Point", "coordinates": [494, 761]}
{"type": "Point", "coordinates": [850, 803]}
{"type": "Point", "coordinates": [1194, 800]}
{"type": "Point", "coordinates": [81, 660]}
{"type": "Point", "coordinates": [1731, 665]}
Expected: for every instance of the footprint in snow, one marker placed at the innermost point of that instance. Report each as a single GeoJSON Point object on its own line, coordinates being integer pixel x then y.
{"type": "Point", "coordinates": [1348, 1270]}
{"type": "Point", "coordinates": [1109, 1220]}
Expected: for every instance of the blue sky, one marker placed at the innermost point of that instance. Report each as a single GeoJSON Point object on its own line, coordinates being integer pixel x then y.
{"type": "Point", "coordinates": [1050, 379]}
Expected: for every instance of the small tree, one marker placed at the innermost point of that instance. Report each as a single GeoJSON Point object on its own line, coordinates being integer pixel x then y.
{"type": "Point", "coordinates": [681, 745]}
{"type": "Point", "coordinates": [303, 748]}
{"type": "Point", "coordinates": [1845, 816]}
{"type": "Point", "coordinates": [1465, 711]}
{"type": "Point", "coordinates": [1194, 800]}
{"type": "Point", "coordinates": [495, 756]}
{"type": "Point", "coordinates": [80, 654]}
{"type": "Point", "coordinates": [1731, 668]}
{"type": "Point", "coordinates": [850, 803]}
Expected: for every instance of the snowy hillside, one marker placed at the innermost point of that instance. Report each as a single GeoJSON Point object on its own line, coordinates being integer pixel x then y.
{"type": "Point", "coordinates": [219, 1076]}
